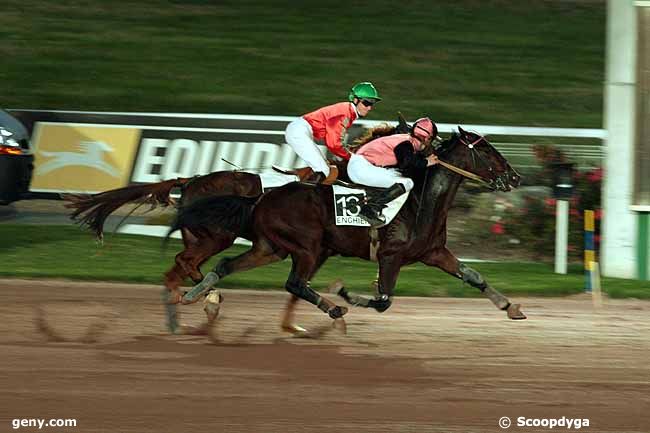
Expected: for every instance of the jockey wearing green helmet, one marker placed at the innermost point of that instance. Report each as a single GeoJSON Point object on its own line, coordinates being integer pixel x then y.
{"type": "Point", "coordinates": [363, 90]}
{"type": "Point", "coordinates": [329, 125]}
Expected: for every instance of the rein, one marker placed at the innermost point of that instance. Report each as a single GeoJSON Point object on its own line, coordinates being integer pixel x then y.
{"type": "Point", "coordinates": [462, 172]}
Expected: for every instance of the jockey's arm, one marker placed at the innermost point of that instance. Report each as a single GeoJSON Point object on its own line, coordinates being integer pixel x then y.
{"type": "Point", "coordinates": [334, 136]}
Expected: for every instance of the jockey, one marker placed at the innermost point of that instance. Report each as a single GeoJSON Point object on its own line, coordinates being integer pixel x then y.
{"type": "Point", "coordinates": [370, 165]}
{"type": "Point", "coordinates": [330, 124]}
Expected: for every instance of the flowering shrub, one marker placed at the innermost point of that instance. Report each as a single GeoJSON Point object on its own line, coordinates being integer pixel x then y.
{"type": "Point", "coordinates": [532, 223]}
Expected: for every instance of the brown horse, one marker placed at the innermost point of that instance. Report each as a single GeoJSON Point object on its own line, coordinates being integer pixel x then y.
{"type": "Point", "coordinates": [298, 220]}
{"type": "Point", "coordinates": [200, 243]}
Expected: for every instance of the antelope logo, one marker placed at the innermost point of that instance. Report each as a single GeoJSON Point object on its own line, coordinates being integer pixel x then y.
{"type": "Point", "coordinates": [91, 154]}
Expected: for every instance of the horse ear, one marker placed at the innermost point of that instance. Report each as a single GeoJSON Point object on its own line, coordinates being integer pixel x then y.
{"type": "Point", "coordinates": [461, 130]}
{"type": "Point", "coordinates": [402, 126]}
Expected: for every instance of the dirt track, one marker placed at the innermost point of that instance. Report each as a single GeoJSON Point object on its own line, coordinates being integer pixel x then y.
{"type": "Point", "coordinates": [438, 365]}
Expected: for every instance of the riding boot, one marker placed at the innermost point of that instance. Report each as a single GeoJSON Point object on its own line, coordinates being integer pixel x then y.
{"type": "Point", "coordinates": [375, 203]}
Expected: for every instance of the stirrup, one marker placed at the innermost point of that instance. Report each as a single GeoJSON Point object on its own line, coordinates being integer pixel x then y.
{"type": "Point", "coordinates": [372, 215]}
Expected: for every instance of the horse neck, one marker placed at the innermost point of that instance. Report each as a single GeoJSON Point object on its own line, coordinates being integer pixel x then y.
{"type": "Point", "coordinates": [440, 188]}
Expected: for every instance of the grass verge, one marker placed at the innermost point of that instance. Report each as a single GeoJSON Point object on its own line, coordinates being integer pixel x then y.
{"type": "Point", "coordinates": [58, 251]}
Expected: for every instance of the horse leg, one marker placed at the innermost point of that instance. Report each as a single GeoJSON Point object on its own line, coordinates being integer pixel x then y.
{"type": "Point", "coordinates": [297, 284]}
{"type": "Point", "coordinates": [197, 251]}
{"type": "Point", "coordinates": [288, 317]}
{"type": "Point", "coordinates": [445, 260]}
{"type": "Point", "coordinates": [389, 267]}
{"type": "Point", "coordinates": [201, 248]}
{"type": "Point", "coordinates": [262, 253]}
{"type": "Point", "coordinates": [174, 278]}
{"type": "Point", "coordinates": [170, 296]}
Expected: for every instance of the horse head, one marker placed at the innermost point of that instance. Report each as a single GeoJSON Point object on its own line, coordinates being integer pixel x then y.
{"type": "Point", "coordinates": [474, 153]}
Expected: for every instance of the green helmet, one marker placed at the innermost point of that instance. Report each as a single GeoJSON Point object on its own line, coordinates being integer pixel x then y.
{"type": "Point", "coordinates": [363, 90]}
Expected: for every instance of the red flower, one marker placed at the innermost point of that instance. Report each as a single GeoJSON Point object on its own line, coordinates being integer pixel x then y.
{"type": "Point", "coordinates": [497, 229]}
{"type": "Point", "coordinates": [550, 201]}
{"type": "Point", "coordinates": [595, 175]}
{"type": "Point", "coordinates": [598, 214]}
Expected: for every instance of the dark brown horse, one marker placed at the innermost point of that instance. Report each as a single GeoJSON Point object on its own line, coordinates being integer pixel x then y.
{"type": "Point", "coordinates": [298, 220]}
{"type": "Point", "coordinates": [200, 243]}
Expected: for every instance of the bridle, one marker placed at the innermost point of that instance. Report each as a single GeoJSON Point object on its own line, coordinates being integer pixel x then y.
{"type": "Point", "coordinates": [458, 170]}
{"type": "Point", "coordinates": [474, 155]}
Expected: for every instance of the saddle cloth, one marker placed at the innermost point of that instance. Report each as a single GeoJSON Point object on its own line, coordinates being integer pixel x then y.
{"type": "Point", "coordinates": [347, 205]}
{"type": "Point", "coordinates": [347, 200]}
{"type": "Point", "coordinates": [274, 179]}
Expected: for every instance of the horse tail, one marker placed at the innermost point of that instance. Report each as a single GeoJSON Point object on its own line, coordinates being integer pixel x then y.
{"type": "Point", "coordinates": [230, 213]}
{"type": "Point", "coordinates": [371, 134]}
{"type": "Point", "coordinates": [91, 210]}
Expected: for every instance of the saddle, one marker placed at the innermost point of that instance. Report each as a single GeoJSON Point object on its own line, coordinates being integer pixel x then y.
{"type": "Point", "coordinates": [306, 174]}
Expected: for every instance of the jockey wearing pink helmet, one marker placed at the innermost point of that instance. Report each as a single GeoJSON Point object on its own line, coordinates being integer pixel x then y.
{"type": "Point", "coordinates": [424, 129]}
{"type": "Point", "coordinates": [382, 162]}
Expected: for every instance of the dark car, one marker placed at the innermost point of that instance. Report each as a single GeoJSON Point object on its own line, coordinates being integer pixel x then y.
{"type": "Point", "coordinates": [16, 159]}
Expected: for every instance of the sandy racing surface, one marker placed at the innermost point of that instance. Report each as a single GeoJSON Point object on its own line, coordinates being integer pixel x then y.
{"type": "Point", "coordinates": [99, 353]}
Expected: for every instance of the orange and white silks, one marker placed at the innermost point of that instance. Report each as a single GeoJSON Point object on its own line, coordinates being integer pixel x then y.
{"type": "Point", "coordinates": [331, 124]}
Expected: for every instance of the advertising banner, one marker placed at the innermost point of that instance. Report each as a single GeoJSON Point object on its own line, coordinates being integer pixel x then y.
{"type": "Point", "coordinates": [94, 152]}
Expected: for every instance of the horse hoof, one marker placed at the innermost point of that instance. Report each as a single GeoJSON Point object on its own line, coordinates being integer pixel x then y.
{"type": "Point", "coordinates": [294, 329]}
{"type": "Point", "coordinates": [212, 305]}
{"type": "Point", "coordinates": [193, 295]}
{"type": "Point", "coordinates": [515, 313]}
{"type": "Point", "coordinates": [337, 312]}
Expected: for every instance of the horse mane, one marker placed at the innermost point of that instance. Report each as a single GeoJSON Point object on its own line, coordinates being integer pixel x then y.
{"type": "Point", "coordinates": [444, 146]}
{"type": "Point", "coordinates": [376, 132]}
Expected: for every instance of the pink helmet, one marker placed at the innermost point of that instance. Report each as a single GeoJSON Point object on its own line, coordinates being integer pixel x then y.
{"type": "Point", "coordinates": [424, 128]}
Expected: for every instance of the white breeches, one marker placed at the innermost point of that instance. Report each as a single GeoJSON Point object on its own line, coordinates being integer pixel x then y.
{"type": "Point", "coordinates": [360, 170]}
{"type": "Point", "coordinates": [301, 139]}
